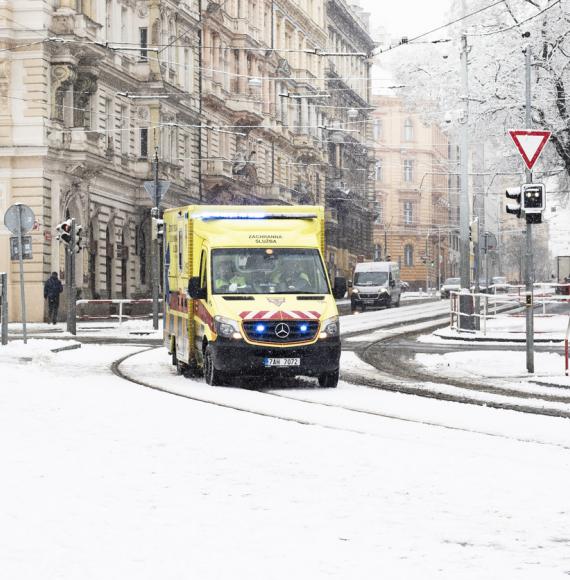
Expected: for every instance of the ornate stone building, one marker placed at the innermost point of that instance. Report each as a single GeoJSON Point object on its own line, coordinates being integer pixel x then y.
{"type": "Point", "coordinates": [241, 101]}
{"type": "Point", "coordinates": [413, 196]}
{"type": "Point", "coordinates": [346, 116]}
{"type": "Point", "coordinates": [91, 89]}
{"type": "Point", "coordinates": [263, 82]}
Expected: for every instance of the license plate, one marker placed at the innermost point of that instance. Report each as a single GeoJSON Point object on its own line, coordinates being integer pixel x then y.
{"type": "Point", "coordinates": [368, 301]}
{"type": "Point", "coordinates": [282, 362]}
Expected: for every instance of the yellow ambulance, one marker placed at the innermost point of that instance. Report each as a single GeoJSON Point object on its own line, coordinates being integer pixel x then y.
{"type": "Point", "coordinates": [247, 293]}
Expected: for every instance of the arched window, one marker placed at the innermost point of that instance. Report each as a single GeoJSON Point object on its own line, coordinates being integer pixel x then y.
{"type": "Point", "coordinates": [408, 255]}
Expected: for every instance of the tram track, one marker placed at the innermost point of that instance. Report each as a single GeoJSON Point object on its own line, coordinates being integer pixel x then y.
{"type": "Point", "coordinates": [309, 403]}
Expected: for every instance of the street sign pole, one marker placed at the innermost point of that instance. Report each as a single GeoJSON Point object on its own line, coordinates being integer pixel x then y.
{"type": "Point", "coordinates": [21, 261]}
{"type": "Point", "coordinates": [4, 313]}
{"type": "Point", "coordinates": [157, 190]}
{"type": "Point", "coordinates": [71, 308]}
{"type": "Point", "coordinates": [529, 269]}
{"type": "Point", "coordinates": [155, 214]}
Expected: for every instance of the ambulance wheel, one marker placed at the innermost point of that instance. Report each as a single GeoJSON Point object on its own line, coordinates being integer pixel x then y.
{"type": "Point", "coordinates": [213, 376]}
{"type": "Point", "coordinates": [329, 380]}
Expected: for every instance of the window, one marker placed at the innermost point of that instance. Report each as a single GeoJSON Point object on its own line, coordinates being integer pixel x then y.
{"type": "Point", "coordinates": [408, 255]}
{"type": "Point", "coordinates": [268, 271]}
{"type": "Point", "coordinates": [408, 130]}
{"type": "Point", "coordinates": [408, 212]}
{"type": "Point", "coordinates": [379, 207]}
{"type": "Point", "coordinates": [377, 129]}
{"type": "Point", "coordinates": [143, 36]}
{"type": "Point", "coordinates": [186, 157]}
{"type": "Point", "coordinates": [124, 133]}
{"type": "Point", "coordinates": [144, 142]}
{"type": "Point", "coordinates": [124, 25]}
{"type": "Point", "coordinates": [408, 170]}
{"type": "Point", "coordinates": [109, 122]}
{"type": "Point", "coordinates": [378, 173]}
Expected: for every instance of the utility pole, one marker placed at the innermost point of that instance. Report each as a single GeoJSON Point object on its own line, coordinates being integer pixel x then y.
{"type": "Point", "coordinates": [529, 268]}
{"type": "Point", "coordinates": [465, 304]}
{"type": "Point", "coordinates": [154, 245]}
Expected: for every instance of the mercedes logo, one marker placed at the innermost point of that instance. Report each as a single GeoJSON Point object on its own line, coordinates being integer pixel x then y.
{"type": "Point", "coordinates": [282, 330]}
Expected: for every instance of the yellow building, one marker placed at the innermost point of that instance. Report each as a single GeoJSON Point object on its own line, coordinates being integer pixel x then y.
{"type": "Point", "coordinates": [412, 193]}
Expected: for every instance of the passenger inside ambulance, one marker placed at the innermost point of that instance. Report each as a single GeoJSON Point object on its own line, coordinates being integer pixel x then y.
{"type": "Point", "coordinates": [226, 279]}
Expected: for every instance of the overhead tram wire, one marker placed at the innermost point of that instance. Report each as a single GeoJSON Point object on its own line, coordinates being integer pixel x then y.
{"type": "Point", "coordinates": [412, 40]}
{"type": "Point", "coordinates": [517, 24]}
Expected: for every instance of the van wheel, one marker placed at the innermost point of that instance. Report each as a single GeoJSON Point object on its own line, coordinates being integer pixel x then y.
{"type": "Point", "coordinates": [329, 380]}
{"type": "Point", "coordinates": [213, 376]}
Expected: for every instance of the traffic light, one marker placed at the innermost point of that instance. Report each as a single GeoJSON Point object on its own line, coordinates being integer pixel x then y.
{"type": "Point", "coordinates": [157, 228]}
{"type": "Point", "coordinates": [534, 201]}
{"type": "Point", "coordinates": [514, 193]}
{"type": "Point", "coordinates": [474, 231]}
{"type": "Point", "coordinates": [78, 238]}
{"type": "Point", "coordinates": [64, 232]}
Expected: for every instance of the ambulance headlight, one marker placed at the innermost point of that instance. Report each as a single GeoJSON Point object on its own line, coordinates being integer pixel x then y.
{"type": "Point", "coordinates": [330, 328]}
{"type": "Point", "coordinates": [226, 327]}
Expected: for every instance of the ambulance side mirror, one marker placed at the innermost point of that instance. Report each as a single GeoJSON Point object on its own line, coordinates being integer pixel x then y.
{"type": "Point", "coordinates": [195, 291]}
{"type": "Point", "coordinates": [339, 289]}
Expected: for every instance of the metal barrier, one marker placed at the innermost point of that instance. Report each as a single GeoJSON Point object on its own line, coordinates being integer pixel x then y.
{"type": "Point", "coordinates": [501, 301]}
{"type": "Point", "coordinates": [98, 304]}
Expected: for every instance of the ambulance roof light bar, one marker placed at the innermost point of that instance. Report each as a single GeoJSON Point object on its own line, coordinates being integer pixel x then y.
{"type": "Point", "coordinates": [207, 216]}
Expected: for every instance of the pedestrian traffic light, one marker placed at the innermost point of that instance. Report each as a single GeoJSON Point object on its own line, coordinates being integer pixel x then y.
{"type": "Point", "coordinates": [78, 238]}
{"type": "Point", "coordinates": [533, 197]}
{"type": "Point", "coordinates": [514, 208]}
{"type": "Point", "coordinates": [64, 232]}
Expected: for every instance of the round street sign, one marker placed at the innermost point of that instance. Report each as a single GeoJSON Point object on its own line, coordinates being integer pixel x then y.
{"type": "Point", "coordinates": [12, 219]}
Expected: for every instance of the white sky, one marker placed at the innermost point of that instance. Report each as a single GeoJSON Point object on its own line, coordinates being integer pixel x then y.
{"type": "Point", "coordinates": [406, 17]}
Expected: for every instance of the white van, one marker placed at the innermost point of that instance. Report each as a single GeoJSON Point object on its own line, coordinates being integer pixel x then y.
{"type": "Point", "coordinates": [375, 284]}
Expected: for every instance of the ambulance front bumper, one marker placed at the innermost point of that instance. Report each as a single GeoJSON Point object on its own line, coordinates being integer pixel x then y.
{"type": "Point", "coordinates": [240, 357]}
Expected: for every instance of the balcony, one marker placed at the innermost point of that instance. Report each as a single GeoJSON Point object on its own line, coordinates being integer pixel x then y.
{"type": "Point", "coordinates": [65, 23]}
{"type": "Point", "coordinates": [219, 168]}
{"type": "Point", "coordinates": [246, 110]}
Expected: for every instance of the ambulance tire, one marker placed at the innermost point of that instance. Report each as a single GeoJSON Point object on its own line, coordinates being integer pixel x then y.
{"type": "Point", "coordinates": [214, 377]}
{"type": "Point", "coordinates": [329, 380]}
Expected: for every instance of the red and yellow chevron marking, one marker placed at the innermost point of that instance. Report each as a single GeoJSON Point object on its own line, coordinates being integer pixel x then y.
{"type": "Point", "coordinates": [280, 315]}
{"type": "Point", "coordinates": [202, 313]}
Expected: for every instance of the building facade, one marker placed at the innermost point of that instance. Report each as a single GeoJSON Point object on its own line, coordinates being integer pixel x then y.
{"type": "Point", "coordinates": [242, 101]}
{"type": "Point", "coordinates": [91, 90]}
{"type": "Point", "coordinates": [347, 116]}
{"type": "Point", "coordinates": [262, 86]}
{"type": "Point", "coordinates": [414, 203]}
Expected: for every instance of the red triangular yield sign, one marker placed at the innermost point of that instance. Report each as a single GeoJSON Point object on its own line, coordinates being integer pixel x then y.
{"type": "Point", "coordinates": [530, 144]}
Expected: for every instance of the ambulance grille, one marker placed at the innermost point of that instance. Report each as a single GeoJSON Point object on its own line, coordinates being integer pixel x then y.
{"type": "Point", "coordinates": [281, 331]}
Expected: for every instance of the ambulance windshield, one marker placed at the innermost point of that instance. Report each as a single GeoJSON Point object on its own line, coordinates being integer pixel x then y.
{"type": "Point", "coordinates": [268, 271]}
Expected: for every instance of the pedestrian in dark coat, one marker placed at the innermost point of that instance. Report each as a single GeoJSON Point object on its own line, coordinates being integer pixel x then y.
{"type": "Point", "coordinates": [52, 290]}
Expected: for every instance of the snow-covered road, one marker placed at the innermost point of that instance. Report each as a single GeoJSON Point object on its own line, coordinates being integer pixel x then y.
{"type": "Point", "coordinates": [105, 480]}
